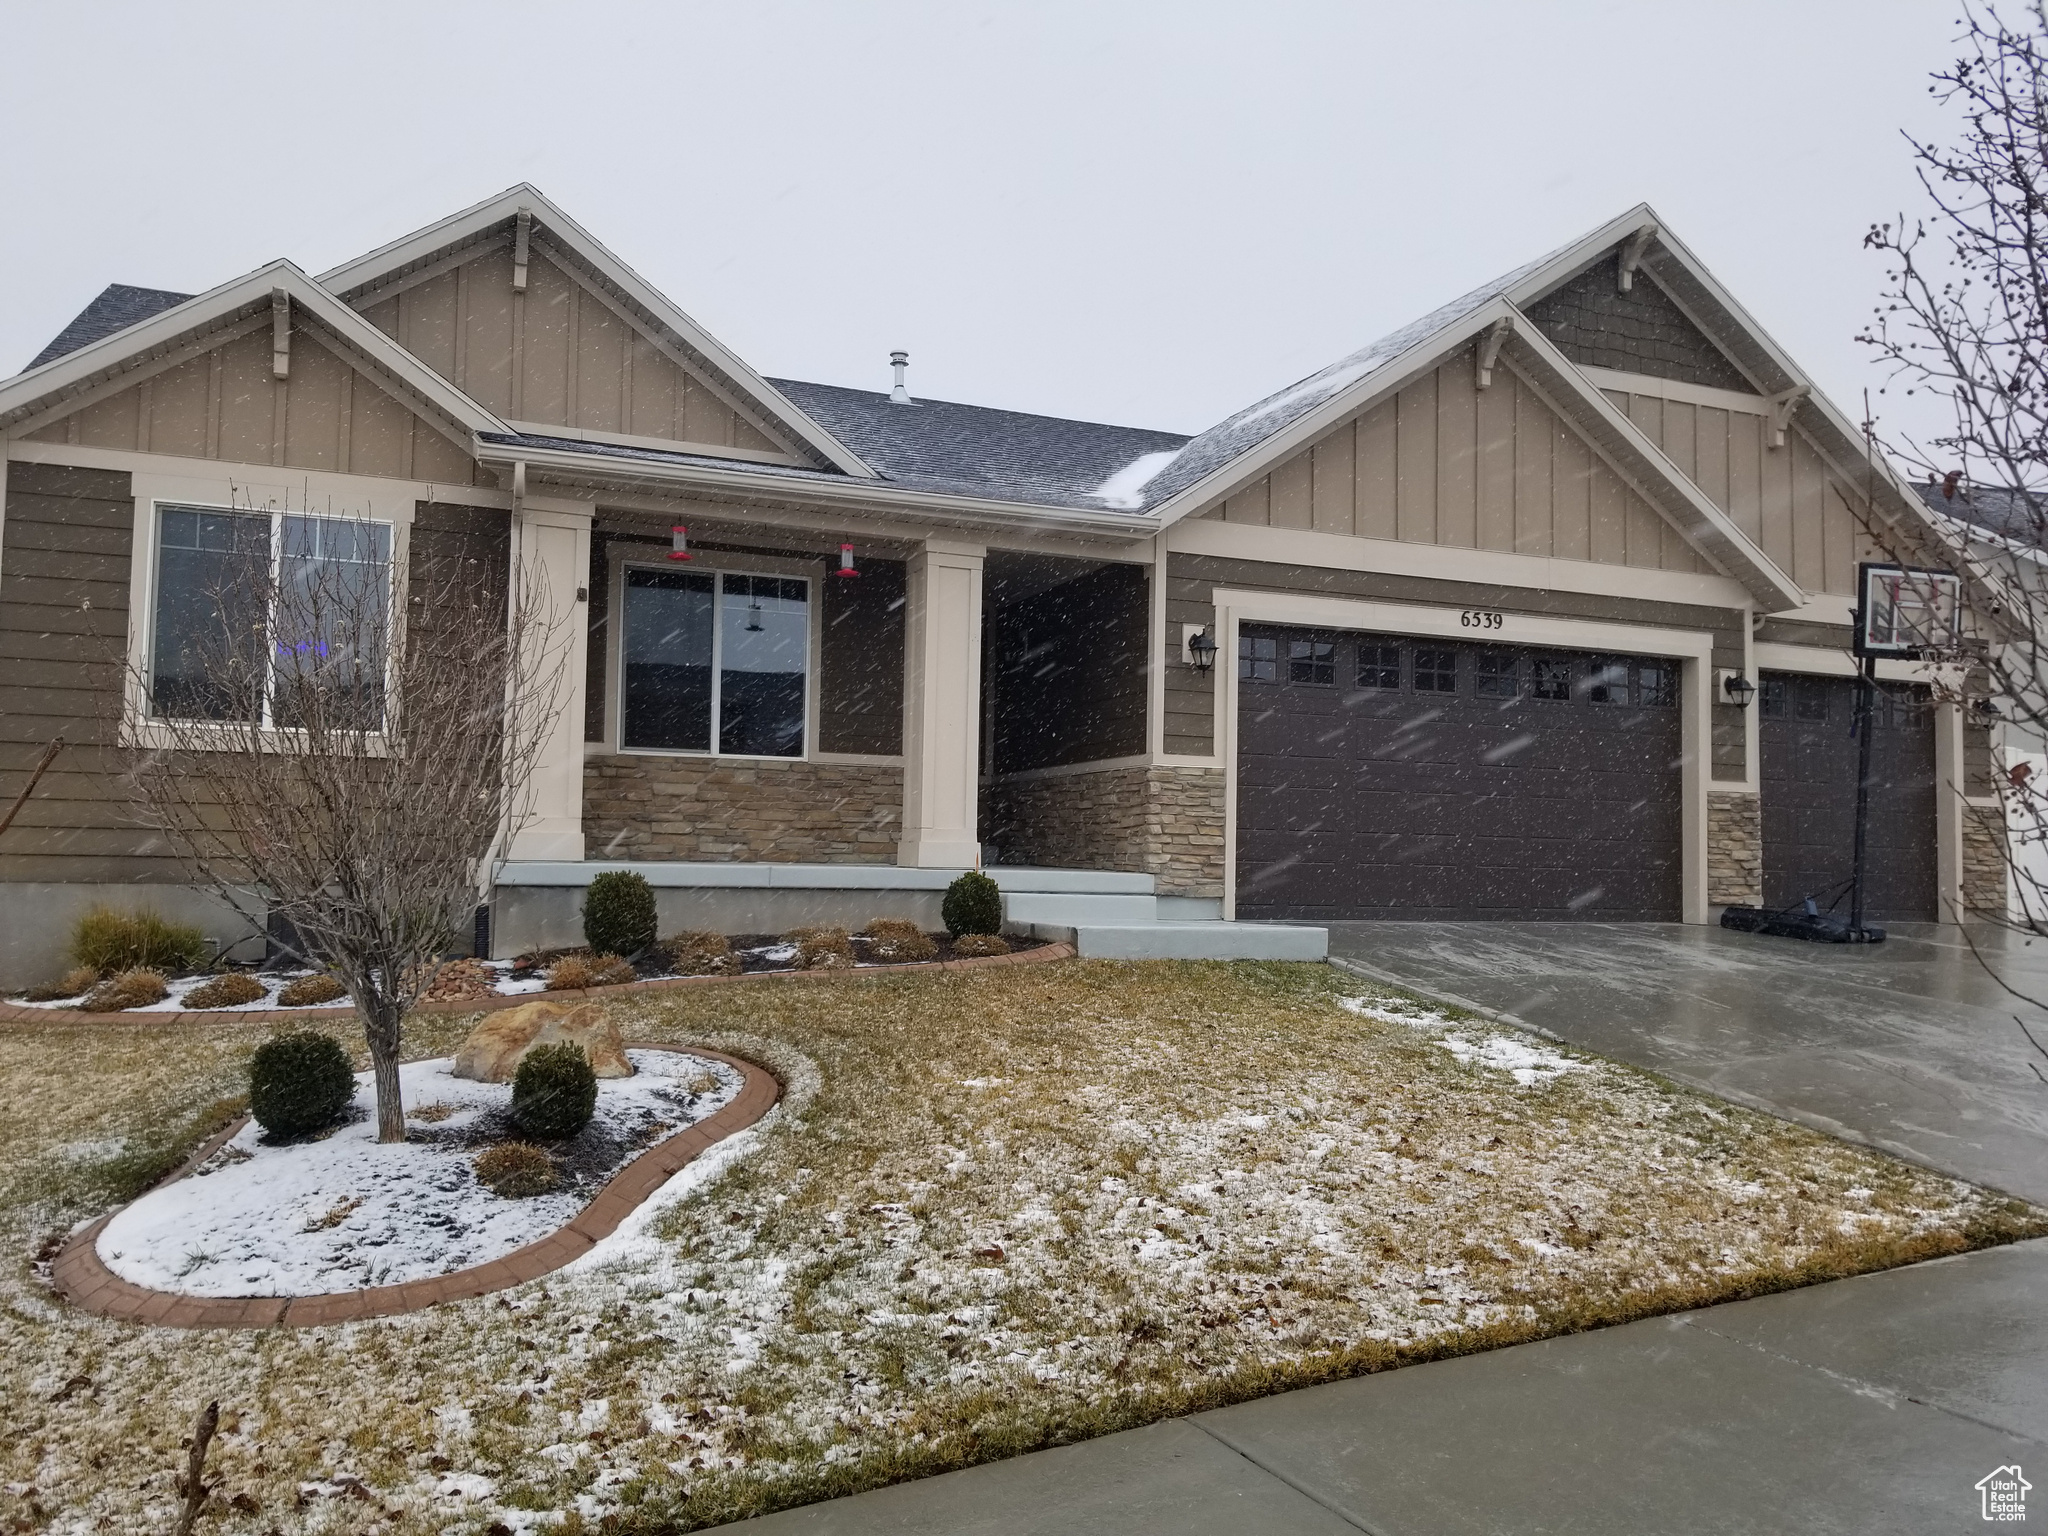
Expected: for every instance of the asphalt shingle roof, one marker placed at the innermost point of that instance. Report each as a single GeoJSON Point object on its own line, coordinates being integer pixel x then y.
{"type": "Point", "coordinates": [1994, 507]}
{"type": "Point", "coordinates": [118, 307]}
{"type": "Point", "coordinates": [975, 450]}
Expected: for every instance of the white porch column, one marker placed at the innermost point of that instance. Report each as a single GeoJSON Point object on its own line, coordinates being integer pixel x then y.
{"type": "Point", "coordinates": [553, 541]}
{"type": "Point", "coordinates": [942, 707]}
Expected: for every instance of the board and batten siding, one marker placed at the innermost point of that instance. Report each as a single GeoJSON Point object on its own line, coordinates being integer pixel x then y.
{"type": "Point", "coordinates": [327, 416]}
{"type": "Point", "coordinates": [1444, 462]}
{"type": "Point", "coordinates": [1787, 500]}
{"type": "Point", "coordinates": [1192, 579]}
{"type": "Point", "coordinates": [557, 355]}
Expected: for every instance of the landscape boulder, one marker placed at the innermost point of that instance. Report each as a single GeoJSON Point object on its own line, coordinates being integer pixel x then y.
{"type": "Point", "coordinates": [494, 1049]}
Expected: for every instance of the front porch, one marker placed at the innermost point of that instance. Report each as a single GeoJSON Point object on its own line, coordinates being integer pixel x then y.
{"type": "Point", "coordinates": [1105, 914]}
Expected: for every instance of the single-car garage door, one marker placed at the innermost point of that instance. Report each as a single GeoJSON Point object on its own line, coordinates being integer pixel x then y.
{"type": "Point", "coordinates": [1385, 777]}
{"type": "Point", "coordinates": [1809, 794]}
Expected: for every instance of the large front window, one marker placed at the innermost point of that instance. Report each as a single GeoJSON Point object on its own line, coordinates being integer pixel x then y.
{"type": "Point", "coordinates": [256, 611]}
{"type": "Point", "coordinates": [714, 661]}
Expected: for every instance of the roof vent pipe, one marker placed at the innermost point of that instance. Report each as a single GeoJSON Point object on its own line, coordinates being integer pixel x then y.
{"type": "Point", "coordinates": [900, 395]}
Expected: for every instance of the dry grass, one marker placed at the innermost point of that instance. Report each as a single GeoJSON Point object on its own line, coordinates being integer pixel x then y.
{"type": "Point", "coordinates": [998, 1210]}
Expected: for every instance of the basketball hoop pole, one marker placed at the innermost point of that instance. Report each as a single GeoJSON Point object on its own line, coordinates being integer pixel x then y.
{"type": "Point", "coordinates": [1866, 699]}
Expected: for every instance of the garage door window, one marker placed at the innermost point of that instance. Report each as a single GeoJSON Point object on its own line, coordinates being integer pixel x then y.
{"type": "Point", "coordinates": [1312, 661]}
{"type": "Point", "coordinates": [1656, 685]}
{"type": "Point", "coordinates": [1496, 676]}
{"type": "Point", "coordinates": [1550, 678]}
{"type": "Point", "coordinates": [1379, 666]}
{"type": "Point", "coordinates": [1607, 683]}
{"type": "Point", "coordinates": [1436, 671]}
{"type": "Point", "coordinates": [1258, 659]}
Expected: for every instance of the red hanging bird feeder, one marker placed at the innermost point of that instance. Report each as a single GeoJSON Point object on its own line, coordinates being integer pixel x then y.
{"type": "Point", "coordinates": [846, 561]}
{"type": "Point", "coordinates": [679, 542]}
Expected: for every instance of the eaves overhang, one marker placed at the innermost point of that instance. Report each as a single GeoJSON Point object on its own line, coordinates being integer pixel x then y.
{"type": "Point", "coordinates": [1632, 454]}
{"type": "Point", "coordinates": [352, 278]}
{"type": "Point", "coordinates": [875, 497]}
{"type": "Point", "coordinates": [197, 324]}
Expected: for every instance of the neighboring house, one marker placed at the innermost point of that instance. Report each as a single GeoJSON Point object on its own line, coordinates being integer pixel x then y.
{"type": "Point", "coordinates": [1475, 590]}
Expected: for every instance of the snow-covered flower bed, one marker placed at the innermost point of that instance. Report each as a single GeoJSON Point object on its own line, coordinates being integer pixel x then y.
{"type": "Point", "coordinates": [998, 1208]}
{"type": "Point", "coordinates": [306, 1217]}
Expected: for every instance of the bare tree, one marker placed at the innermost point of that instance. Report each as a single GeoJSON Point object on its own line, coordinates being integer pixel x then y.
{"type": "Point", "coordinates": [1964, 319]}
{"type": "Point", "coordinates": [339, 747]}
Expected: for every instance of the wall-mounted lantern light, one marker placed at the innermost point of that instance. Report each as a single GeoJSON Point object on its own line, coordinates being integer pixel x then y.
{"type": "Point", "coordinates": [1201, 650]}
{"type": "Point", "coordinates": [1738, 690]}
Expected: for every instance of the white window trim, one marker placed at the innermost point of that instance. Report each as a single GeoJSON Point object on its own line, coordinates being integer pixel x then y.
{"type": "Point", "coordinates": [139, 727]}
{"type": "Point", "coordinates": [717, 563]}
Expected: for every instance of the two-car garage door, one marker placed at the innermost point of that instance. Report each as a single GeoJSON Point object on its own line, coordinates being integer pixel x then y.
{"type": "Point", "coordinates": [1381, 776]}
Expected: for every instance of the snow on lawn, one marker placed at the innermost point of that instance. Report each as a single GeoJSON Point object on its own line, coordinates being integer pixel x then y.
{"type": "Point", "coordinates": [995, 1209]}
{"type": "Point", "coordinates": [302, 1218]}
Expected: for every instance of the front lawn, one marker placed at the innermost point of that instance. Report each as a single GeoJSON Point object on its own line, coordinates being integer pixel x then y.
{"type": "Point", "coordinates": [996, 1211]}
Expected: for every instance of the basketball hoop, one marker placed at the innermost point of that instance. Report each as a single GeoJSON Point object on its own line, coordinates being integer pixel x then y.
{"type": "Point", "coordinates": [1903, 612]}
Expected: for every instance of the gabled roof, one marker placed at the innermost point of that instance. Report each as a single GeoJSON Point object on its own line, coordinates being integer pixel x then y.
{"type": "Point", "coordinates": [118, 306]}
{"type": "Point", "coordinates": [193, 326]}
{"type": "Point", "coordinates": [977, 451]}
{"type": "Point", "coordinates": [1994, 508]}
{"type": "Point", "coordinates": [353, 280]}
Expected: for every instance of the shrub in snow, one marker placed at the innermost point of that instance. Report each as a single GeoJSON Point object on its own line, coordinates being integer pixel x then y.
{"type": "Point", "coordinates": [299, 1082]}
{"type": "Point", "coordinates": [821, 949]}
{"type": "Point", "coordinates": [618, 914]}
{"type": "Point", "coordinates": [973, 904]}
{"type": "Point", "coordinates": [701, 954]}
{"type": "Point", "coordinates": [892, 941]}
{"type": "Point", "coordinates": [80, 978]}
{"type": "Point", "coordinates": [554, 1092]}
{"type": "Point", "coordinates": [572, 972]}
{"type": "Point", "coordinates": [111, 941]}
{"type": "Point", "coordinates": [229, 991]}
{"type": "Point", "coordinates": [971, 945]}
{"type": "Point", "coordinates": [516, 1170]}
{"type": "Point", "coordinates": [311, 991]}
{"type": "Point", "coordinates": [131, 989]}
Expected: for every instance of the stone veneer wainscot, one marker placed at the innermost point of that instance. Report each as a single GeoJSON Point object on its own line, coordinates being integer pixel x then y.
{"type": "Point", "coordinates": [741, 810]}
{"type": "Point", "coordinates": [1735, 849]}
{"type": "Point", "coordinates": [1166, 822]}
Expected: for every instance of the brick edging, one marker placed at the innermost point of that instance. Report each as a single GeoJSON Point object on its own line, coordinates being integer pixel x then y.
{"type": "Point", "coordinates": [85, 1281]}
{"type": "Point", "coordinates": [19, 1014]}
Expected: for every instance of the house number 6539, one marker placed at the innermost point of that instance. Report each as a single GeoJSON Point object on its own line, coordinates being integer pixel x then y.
{"type": "Point", "coordinates": [1479, 618]}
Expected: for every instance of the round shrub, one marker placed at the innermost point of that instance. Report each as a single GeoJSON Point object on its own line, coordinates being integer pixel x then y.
{"type": "Point", "coordinates": [299, 1083]}
{"type": "Point", "coordinates": [229, 991]}
{"type": "Point", "coordinates": [892, 941]}
{"type": "Point", "coordinates": [618, 914]}
{"type": "Point", "coordinates": [971, 946]}
{"type": "Point", "coordinates": [80, 978]}
{"type": "Point", "coordinates": [701, 954]}
{"type": "Point", "coordinates": [973, 904]}
{"type": "Point", "coordinates": [555, 1092]}
{"type": "Point", "coordinates": [131, 989]}
{"type": "Point", "coordinates": [821, 949]}
{"type": "Point", "coordinates": [516, 1170]}
{"type": "Point", "coordinates": [574, 972]}
{"type": "Point", "coordinates": [311, 991]}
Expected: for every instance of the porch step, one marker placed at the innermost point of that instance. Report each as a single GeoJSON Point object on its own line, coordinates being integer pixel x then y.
{"type": "Point", "coordinates": [1211, 940]}
{"type": "Point", "coordinates": [1071, 908]}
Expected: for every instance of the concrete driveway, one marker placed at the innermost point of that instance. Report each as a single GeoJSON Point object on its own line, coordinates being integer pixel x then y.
{"type": "Point", "coordinates": [1869, 1405]}
{"type": "Point", "coordinates": [1909, 1045]}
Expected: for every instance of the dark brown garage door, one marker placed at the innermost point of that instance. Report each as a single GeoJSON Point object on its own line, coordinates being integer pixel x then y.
{"type": "Point", "coordinates": [1809, 794]}
{"type": "Point", "coordinates": [1392, 778]}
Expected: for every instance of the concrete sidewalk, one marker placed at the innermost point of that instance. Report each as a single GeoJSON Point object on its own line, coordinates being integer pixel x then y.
{"type": "Point", "coordinates": [1869, 1405]}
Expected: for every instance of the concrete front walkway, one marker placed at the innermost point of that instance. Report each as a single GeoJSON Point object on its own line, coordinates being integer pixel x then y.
{"type": "Point", "coordinates": [1870, 1405]}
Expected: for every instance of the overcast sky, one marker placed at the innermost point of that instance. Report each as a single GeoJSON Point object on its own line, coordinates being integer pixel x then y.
{"type": "Point", "coordinates": [1149, 214]}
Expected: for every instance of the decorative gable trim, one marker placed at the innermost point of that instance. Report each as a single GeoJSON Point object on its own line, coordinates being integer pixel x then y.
{"type": "Point", "coordinates": [427, 252]}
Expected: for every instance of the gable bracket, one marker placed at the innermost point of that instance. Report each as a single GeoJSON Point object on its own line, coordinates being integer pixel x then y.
{"type": "Point", "coordinates": [522, 236]}
{"type": "Point", "coordinates": [1632, 257]}
{"type": "Point", "coordinates": [1490, 342]}
{"type": "Point", "coordinates": [280, 334]}
{"type": "Point", "coordinates": [1783, 404]}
